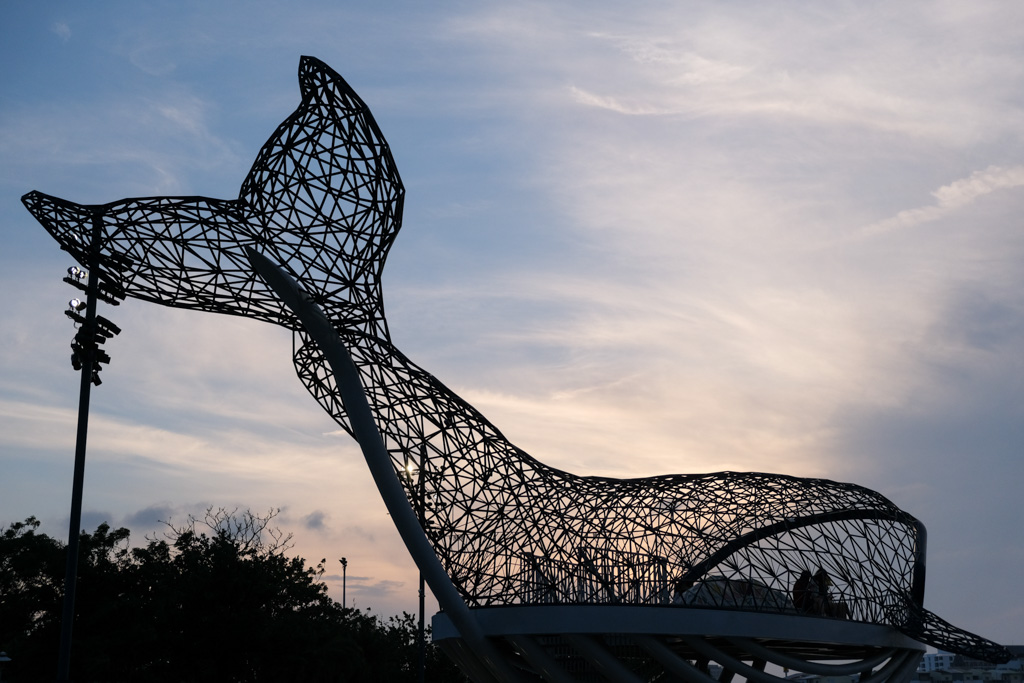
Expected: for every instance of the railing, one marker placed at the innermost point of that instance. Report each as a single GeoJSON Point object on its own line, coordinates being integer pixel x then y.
{"type": "Point", "coordinates": [636, 579]}
{"type": "Point", "coordinates": [625, 578]}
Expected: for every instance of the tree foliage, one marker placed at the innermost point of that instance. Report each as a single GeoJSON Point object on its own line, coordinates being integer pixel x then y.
{"type": "Point", "coordinates": [216, 599]}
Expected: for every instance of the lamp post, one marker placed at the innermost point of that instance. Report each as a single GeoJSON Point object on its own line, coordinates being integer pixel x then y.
{"type": "Point", "coordinates": [423, 523]}
{"type": "Point", "coordinates": [344, 581]}
{"type": "Point", "coordinates": [87, 357]}
{"type": "Point", "coordinates": [421, 514]}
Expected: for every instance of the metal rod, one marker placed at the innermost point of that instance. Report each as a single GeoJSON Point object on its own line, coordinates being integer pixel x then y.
{"type": "Point", "coordinates": [480, 652]}
{"type": "Point", "coordinates": [422, 645]}
{"type": "Point", "coordinates": [78, 481]}
{"type": "Point", "coordinates": [344, 582]}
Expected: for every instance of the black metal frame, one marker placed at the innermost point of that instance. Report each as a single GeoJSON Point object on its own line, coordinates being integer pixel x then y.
{"type": "Point", "coordinates": [324, 201]}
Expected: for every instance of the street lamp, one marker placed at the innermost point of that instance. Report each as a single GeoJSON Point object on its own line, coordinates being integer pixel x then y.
{"type": "Point", "coordinates": [344, 580]}
{"type": "Point", "coordinates": [411, 470]}
{"type": "Point", "coordinates": [88, 358]}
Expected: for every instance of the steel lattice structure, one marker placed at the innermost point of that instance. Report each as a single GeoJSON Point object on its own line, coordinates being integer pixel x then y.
{"type": "Point", "coordinates": [324, 201]}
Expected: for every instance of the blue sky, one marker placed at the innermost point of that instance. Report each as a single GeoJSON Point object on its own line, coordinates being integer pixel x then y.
{"type": "Point", "coordinates": [681, 237]}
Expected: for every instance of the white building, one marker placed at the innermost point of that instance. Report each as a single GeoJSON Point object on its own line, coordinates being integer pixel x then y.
{"type": "Point", "coordinates": [936, 661]}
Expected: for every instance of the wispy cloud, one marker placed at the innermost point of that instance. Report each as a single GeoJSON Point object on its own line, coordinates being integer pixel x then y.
{"type": "Point", "coordinates": [952, 197]}
{"type": "Point", "coordinates": [62, 30]}
{"type": "Point", "coordinates": [613, 104]}
{"type": "Point", "coordinates": [163, 138]}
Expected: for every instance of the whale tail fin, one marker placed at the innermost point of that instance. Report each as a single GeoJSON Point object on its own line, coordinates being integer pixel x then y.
{"type": "Point", "coordinates": [323, 198]}
{"type": "Point", "coordinates": [326, 195]}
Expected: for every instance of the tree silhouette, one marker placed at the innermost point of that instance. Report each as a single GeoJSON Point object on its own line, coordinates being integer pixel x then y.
{"type": "Point", "coordinates": [216, 599]}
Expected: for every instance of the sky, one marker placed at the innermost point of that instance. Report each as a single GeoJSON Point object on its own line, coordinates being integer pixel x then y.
{"type": "Point", "coordinates": [647, 239]}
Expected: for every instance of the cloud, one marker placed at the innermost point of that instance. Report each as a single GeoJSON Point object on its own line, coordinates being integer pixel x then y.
{"type": "Point", "coordinates": [157, 516]}
{"type": "Point", "coordinates": [366, 588]}
{"type": "Point", "coordinates": [613, 104]}
{"type": "Point", "coordinates": [743, 62]}
{"type": "Point", "coordinates": [315, 520]}
{"type": "Point", "coordinates": [62, 30]}
{"type": "Point", "coordinates": [949, 198]}
{"type": "Point", "coordinates": [143, 146]}
{"type": "Point", "coordinates": [91, 519]}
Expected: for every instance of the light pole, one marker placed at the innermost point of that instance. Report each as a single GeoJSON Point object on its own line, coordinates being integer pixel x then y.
{"type": "Point", "coordinates": [87, 357]}
{"type": "Point", "coordinates": [344, 581]}
{"type": "Point", "coordinates": [421, 513]}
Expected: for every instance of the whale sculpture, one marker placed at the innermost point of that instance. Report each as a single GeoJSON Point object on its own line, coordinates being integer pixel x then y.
{"type": "Point", "coordinates": [545, 574]}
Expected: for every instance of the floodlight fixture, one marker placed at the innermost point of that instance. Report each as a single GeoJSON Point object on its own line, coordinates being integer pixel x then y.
{"type": "Point", "coordinates": [109, 290]}
{"type": "Point", "coordinates": [107, 328]}
{"type": "Point", "coordinates": [77, 278]}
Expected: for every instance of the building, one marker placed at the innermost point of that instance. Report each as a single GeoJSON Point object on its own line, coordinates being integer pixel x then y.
{"type": "Point", "coordinates": [944, 667]}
